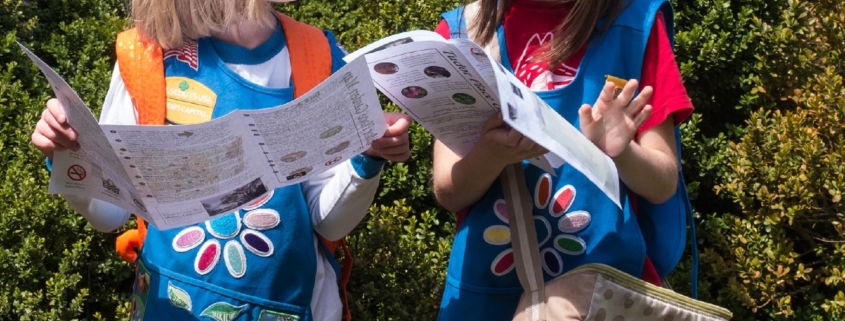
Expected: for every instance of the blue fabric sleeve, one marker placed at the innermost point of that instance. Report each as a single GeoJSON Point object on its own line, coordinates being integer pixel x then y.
{"type": "Point", "coordinates": [367, 167]}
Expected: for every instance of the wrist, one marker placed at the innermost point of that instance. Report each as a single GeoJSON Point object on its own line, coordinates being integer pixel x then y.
{"type": "Point", "coordinates": [485, 155]}
{"type": "Point", "coordinates": [373, 156]}
{"type": "Point", "coordinates": [625, 154]}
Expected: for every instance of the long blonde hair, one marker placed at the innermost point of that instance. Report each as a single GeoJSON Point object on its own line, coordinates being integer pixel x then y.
{"type": "Point", "coordinates": [172, 23]}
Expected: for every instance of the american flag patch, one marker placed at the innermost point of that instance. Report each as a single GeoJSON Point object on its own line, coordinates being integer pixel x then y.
{"type": "Point", "coordinates": [187, 54]}
{"type": "Point", "coordinates": [343, 50]}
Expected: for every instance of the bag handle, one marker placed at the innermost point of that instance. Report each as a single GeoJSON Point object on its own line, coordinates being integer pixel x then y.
{"type": "Point", "coordinates": [526, 251]}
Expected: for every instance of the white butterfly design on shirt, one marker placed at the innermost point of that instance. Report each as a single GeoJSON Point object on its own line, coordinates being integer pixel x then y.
{"type": "Point", "coordinates": [535, 74]}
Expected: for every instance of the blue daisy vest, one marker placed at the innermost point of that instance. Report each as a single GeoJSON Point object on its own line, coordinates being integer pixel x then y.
{"type": "Point", "coordinates": [576, 223]}
{"type": "Point", "coordinates": [258, 263]}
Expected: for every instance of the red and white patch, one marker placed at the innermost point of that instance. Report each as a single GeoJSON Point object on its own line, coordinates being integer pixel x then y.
{"type": "Point", "coordinates": [187, 54]}
{"type": "Point", "coordinates": [207, 257]}
{"type": "Point", "coordinates": [535, 73]}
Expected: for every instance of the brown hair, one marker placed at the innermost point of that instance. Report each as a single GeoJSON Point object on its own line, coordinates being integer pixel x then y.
{"type": "Point", "coordinates": [570, 35]}
{"type": "Point", "coordinates": [172, 23]}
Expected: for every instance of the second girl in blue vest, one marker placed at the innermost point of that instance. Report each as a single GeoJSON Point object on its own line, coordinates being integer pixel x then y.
{"type": "Point", "coordinates": [563, 49]}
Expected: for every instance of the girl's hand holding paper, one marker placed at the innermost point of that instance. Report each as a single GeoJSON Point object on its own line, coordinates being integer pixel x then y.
{"type": "Point", "coordinates": [506, 144]}
{"type": "Point", "coordinates": [395, 144]}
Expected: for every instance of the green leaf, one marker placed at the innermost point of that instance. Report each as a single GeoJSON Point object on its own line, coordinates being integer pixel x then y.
{"type": "Point", "coordinates": [222, 311]}
{"type": "Point", "coordinates": [178, 297]}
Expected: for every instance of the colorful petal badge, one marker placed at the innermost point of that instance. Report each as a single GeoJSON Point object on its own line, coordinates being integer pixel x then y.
{"type": "Point", "coordinates": [501, 235]}
{"type": "Point", "coordinates": [568, 223]}
{"type": "Point", "coordinates": [228, 227]}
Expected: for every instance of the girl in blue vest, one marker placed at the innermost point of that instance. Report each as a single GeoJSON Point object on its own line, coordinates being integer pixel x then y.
{"type": "Point", "coordinates": [273, 265]}
{"type": "Point", "coordinates": [563, 50]}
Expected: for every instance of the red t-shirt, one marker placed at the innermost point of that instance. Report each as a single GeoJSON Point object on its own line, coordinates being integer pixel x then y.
{"type": "Point", "coordinates": [529, 24]}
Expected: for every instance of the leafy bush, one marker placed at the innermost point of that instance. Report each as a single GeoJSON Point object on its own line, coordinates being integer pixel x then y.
{"type": "Point", "coordinates": [765, 154]}
{"type": "Point", "coordinates": [783, 252]}
{"type": "Point", "coordinates": [54, 266]}
{"type": "Point", "coordinates": [400, 264]}
{"type": "Point", "coordinates": [763, 159]}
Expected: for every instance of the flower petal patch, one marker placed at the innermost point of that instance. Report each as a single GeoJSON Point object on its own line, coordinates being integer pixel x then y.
{"type": "Point", "coordinates": [562, 200]}
{"type": "Point", "coordinates": [188, 239]}
{"type": "Point", "coordinates": [233, 255]}
{"type": "Point", "coordinates": [257, 243]}
{"type": "Point", "coordinates": [503, 263]}
{"type": "Point", "coordinates": [574, 222]}
{"type": "Point", "coordinates": [501, 210]}
{"type": "Point", "coordinates": [225, 227]}
{"type": "Point", "coordinates": [207, 257]}
{"type": "Point", "coordinates": [260, 201]}
{"type": "Point", "coordinates": [570, 244]}
{"type": "Point", "coordinates": [543, 191]}
{"type": "Point", "coordinates": [178, 297]}
{"type": "Point", "coordinates": [543, 228]}
{"type": "Point", "coordinates": [552, 262]}
{"type": "Point", "coordinates": [262, 219]}
{"type": "Point", "coordinates": [222, 311]}
{"type": "Point", "coordinates": [497, 235]}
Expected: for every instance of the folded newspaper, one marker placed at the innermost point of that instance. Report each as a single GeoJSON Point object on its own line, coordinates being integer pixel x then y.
{"type": "Point", "coordinates": [174, 176]}
{"type": "Point", "coordinates": [451, 87]}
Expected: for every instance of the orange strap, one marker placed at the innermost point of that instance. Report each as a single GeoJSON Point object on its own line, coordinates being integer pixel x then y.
{"type": "Point", "coordinates": [142, 69]}
{"type": "Point", "coordinates": [345, 272]}
{"type": "Point", "coordinates": [310, 54]}
{"type": "Point", "coordinates": [127, 245]}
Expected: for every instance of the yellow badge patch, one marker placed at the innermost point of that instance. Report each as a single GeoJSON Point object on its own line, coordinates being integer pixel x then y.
{"type": "Point", "coordinates": [188, 101]}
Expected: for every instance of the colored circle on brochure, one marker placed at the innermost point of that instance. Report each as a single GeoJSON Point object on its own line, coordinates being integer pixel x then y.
{"type": "Point", "coordinates": [437, 72]}
{"type": "Point", "coordinates": [331, 132]}
{"type": "Point", "coordinates": [464, 98]}
{"type": "Point", "coordinates": [76, 173]}
{"type": "Point", "coordinates": [297, 173]}
{"type": "Point", "coordinates": [478, 52]}
{"type": "Point", "coordinates": [386, 68]}
{"type": "Point", "coordinates": [414, 92]}
{"type": "Point", "coordinates": [295, 156]}
{"type": "Point", "coordinates": [337, 149]}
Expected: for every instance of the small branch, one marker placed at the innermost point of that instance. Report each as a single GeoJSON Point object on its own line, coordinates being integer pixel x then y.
{"type": "Point", "coordinates": [804, 235]}
{"type": "Point", "coordinates": [800, 290]}
{"type": "Point", "coordinates": [828, 241]}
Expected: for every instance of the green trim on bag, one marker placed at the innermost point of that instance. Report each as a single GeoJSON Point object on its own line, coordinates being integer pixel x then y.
{"type": "Point", "coordinates": [651, 289]}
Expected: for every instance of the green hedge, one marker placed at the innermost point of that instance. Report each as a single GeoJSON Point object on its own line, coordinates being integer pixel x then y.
{"type": "Point", "coordinates": [763, 157]}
